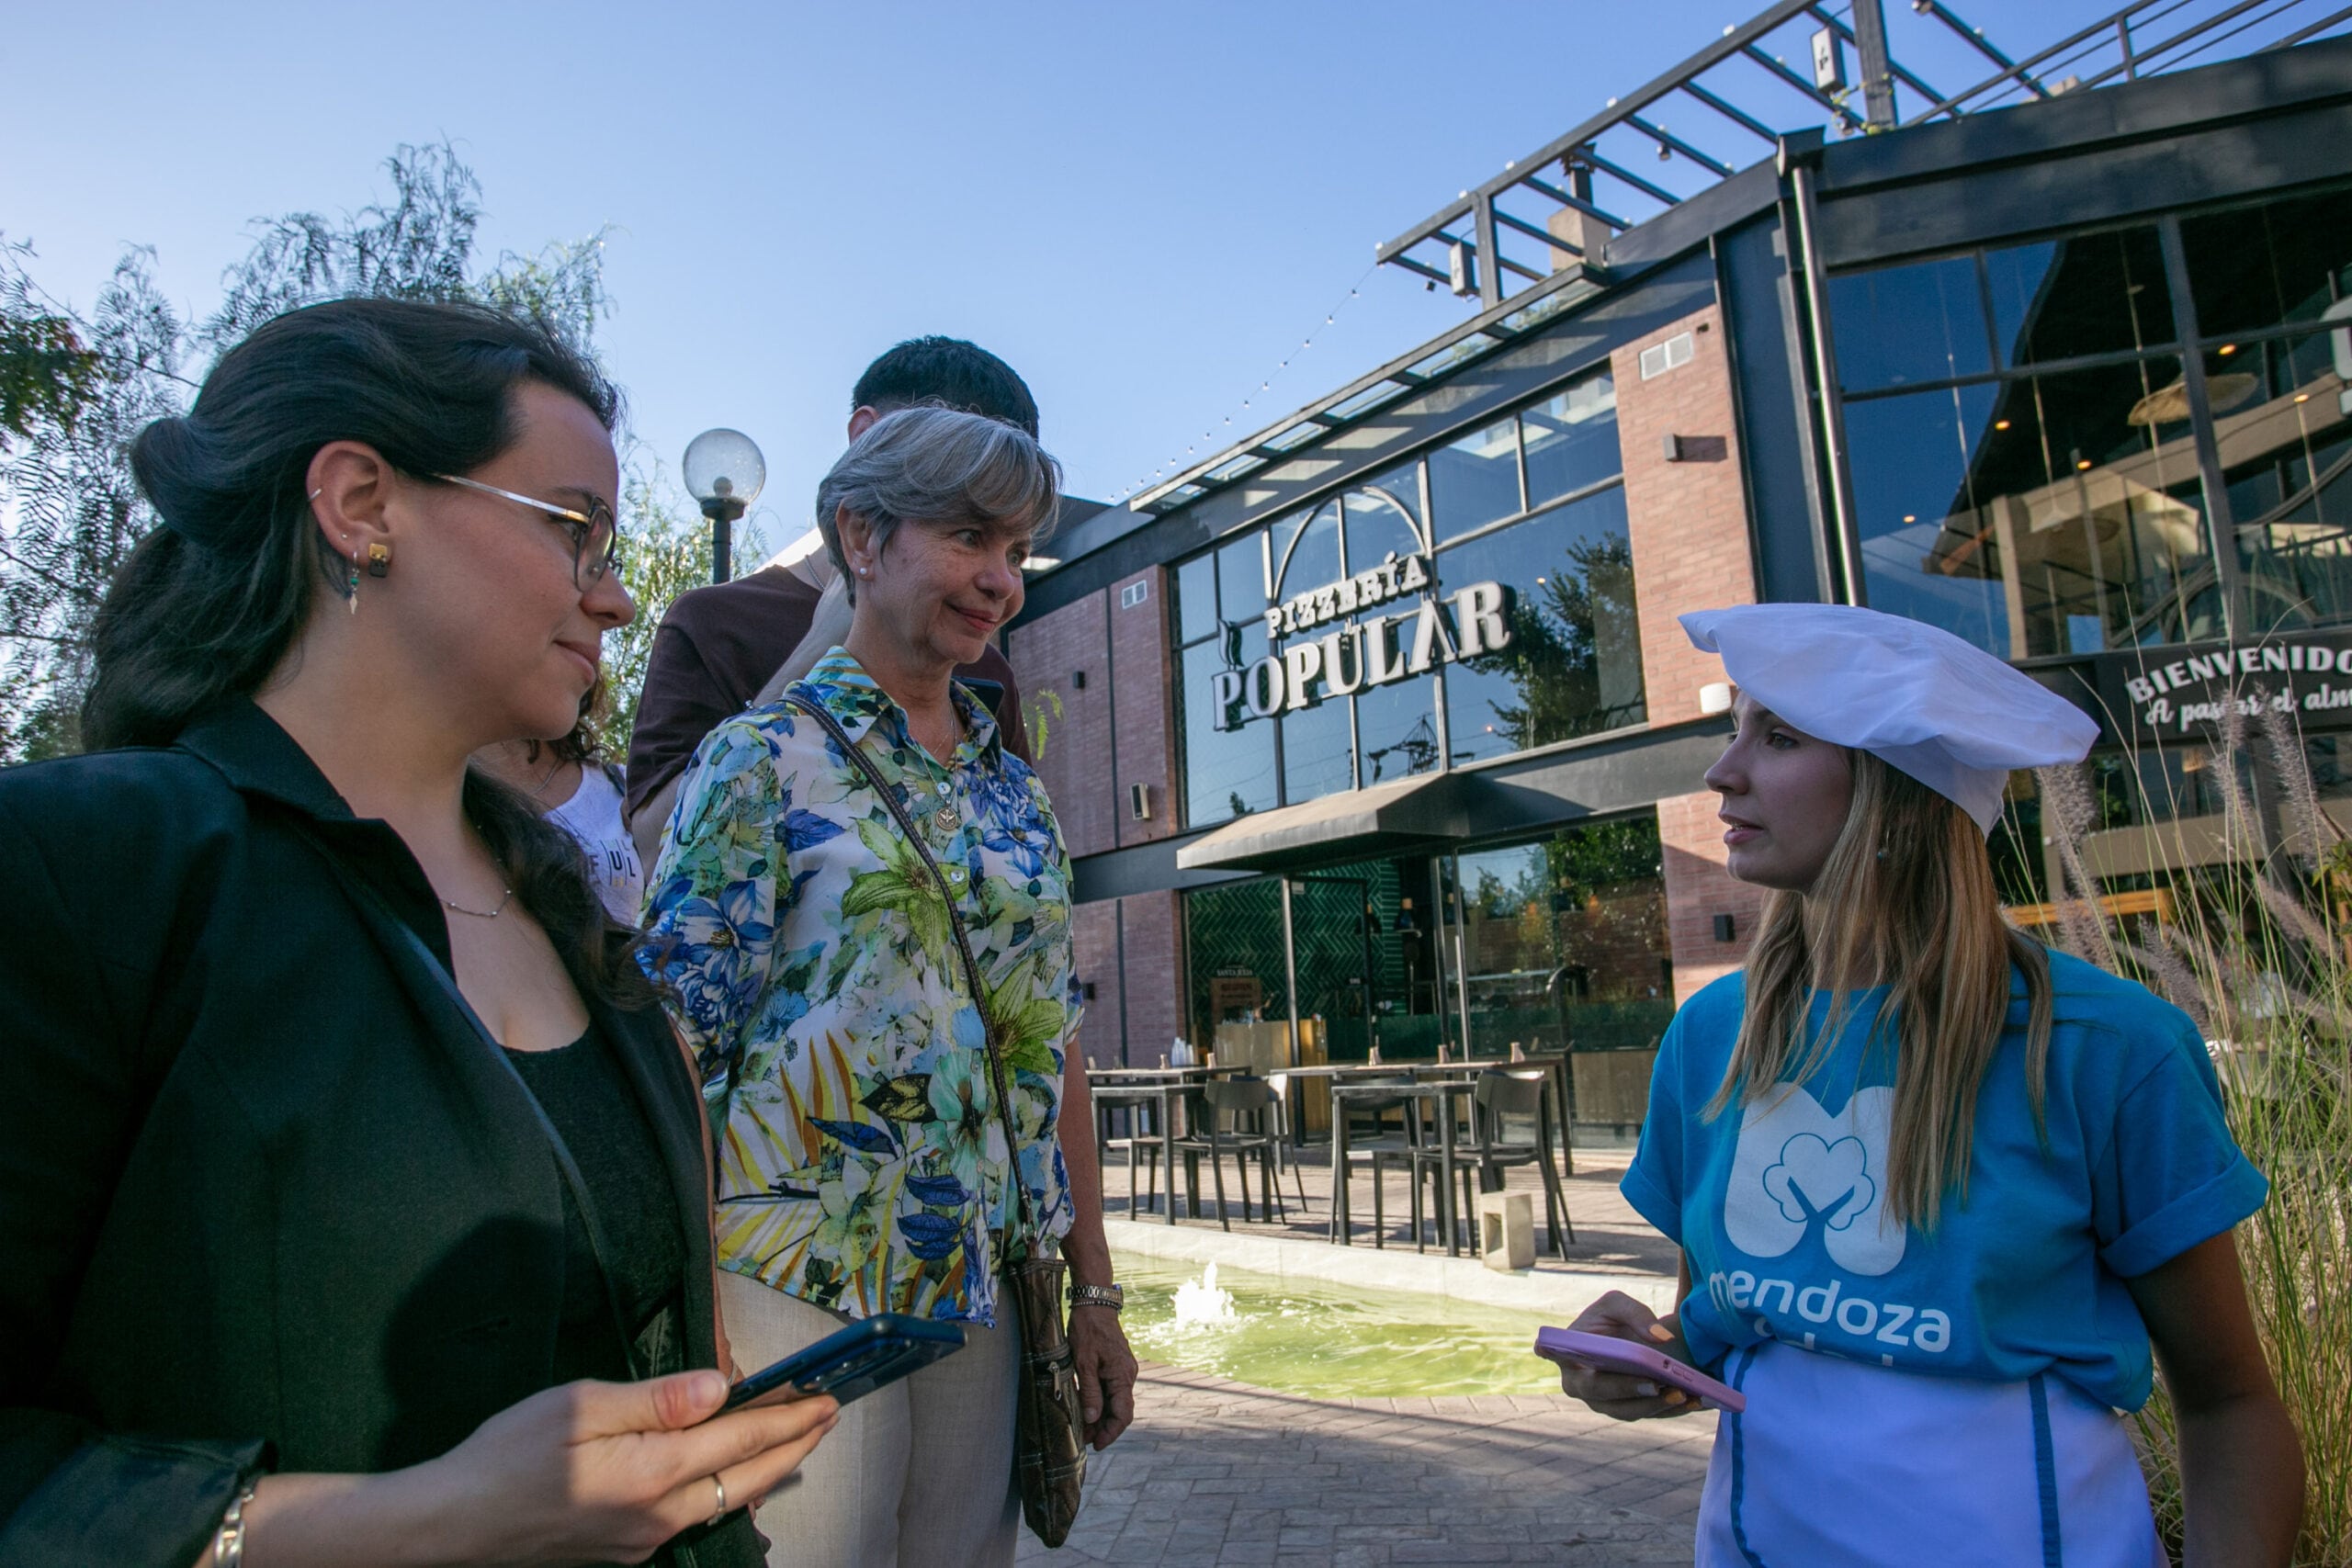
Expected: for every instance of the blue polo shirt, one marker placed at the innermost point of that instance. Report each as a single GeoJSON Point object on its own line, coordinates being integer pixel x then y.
{"type": "Point", "coordinates": [1779, 1203]}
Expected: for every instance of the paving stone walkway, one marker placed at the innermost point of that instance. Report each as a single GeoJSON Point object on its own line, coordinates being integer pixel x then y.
{"type": "Point", "coordinates": [1220, 1473]}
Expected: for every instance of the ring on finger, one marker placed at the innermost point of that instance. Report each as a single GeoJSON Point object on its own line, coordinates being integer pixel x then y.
{"type": "Point", "coordinates": [718, 1512]}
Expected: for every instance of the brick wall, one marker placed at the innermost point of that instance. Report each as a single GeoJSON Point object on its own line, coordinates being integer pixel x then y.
{"type": "Point", "coordinates": [1698, 888]}
{"type": "Point", "coordinates": [1119, 727]}
{"type": "Point", "coordinates": [1047, 655]}
{"type": "Point", "coordinates": [1687, 519]}
{"type": "Point", "coordinates": [1155, 973]}
{"type": "Point", "coordinates": [1094, 933]}
{"type": "Point", "coordinates": [1144, 747]}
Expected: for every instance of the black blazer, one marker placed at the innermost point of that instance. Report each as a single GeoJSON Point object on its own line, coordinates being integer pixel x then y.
{"type": "Point", "coordinates": [266, 1199]}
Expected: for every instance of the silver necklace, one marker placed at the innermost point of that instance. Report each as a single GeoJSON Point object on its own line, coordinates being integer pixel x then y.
{"type": "Point", "coordinates": [481, 914]}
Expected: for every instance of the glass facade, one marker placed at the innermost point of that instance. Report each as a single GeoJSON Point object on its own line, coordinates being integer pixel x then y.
{"type": "Point", "coordinates": [2283, 426]}
{"type": "Point", "coordinates": [1369, 967]}
{"type": "Point", "coordinates": [2024, 441]}
{"type": "Point", "coordinates": [1556, 945]}
{"type": "Point", "coordinates": [1356, 641]}
{"type": "Point", "coordinates": [1573, 666]}
{"type": "Point", "coordinates": [1565, 940]}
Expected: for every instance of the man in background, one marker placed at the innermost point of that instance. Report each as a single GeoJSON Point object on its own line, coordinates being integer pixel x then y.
{"type": "Point", "coordinates": [735, 645]}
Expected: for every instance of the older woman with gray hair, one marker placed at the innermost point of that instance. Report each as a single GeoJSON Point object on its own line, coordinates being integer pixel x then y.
{"type": "Point", "coordinates": [864, 1161]}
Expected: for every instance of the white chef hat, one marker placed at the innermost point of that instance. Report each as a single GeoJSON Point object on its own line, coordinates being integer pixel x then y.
{"type": "Point", "coordinates": [1918, 698]}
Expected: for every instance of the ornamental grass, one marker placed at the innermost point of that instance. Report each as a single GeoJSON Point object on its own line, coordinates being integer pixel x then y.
{"type": "Point", "coordinates": [2253, 938]}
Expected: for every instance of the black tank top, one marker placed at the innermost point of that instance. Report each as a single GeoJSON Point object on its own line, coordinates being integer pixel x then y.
{"type": "Point", "coordinates": [590, 1100]}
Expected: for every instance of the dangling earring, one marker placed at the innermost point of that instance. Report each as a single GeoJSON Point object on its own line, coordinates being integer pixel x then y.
{"type": "Point", "coordinates": [351, 584]}
{"type": "Point", "coordinates": [379, 560]}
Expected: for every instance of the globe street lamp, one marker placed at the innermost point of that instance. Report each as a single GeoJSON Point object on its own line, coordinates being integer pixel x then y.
{"type": "Point", "coordinates": [724, 472]}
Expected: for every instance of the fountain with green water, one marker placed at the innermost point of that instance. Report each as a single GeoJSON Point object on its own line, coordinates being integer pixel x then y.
{"type": "Point", "coordinates": [1324, 1340]}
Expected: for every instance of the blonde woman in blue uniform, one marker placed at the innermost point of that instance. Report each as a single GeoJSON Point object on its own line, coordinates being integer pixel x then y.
{"type": "Point", "coordinates": [1939, 1192]}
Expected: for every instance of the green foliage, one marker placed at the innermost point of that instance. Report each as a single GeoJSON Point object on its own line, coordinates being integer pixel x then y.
{"type": "Point", "coordinates": [76, 390]}
{"type": "Point", "coordinates": [1602, 857]}
{"type": "Point", "coordinates": [418, 246]}
{"type": "Point", "coordinates": [46, 372]}
{"type": "Point", "coordinates": [666, 549]}
{"type": "Point", "coordinates": [1587, 861]}
{"type": "Point", "coordinates": [72, 508]}
{"type": "Point", "coordinates": [1041, 713]}
{"type": "Point", "coordinates": [1555, 656]}
{"type": "Point", "coordinates": [2258, 950]}
{"type": "Point", "coordinates": [34, 728]}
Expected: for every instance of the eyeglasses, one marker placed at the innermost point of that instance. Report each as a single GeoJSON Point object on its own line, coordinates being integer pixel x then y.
{"type": "Point", "coordinates": [595, 534]}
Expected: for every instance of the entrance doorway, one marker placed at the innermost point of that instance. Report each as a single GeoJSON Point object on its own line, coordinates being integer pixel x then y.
{"type": "Point", "coordinates": [1551, 944]}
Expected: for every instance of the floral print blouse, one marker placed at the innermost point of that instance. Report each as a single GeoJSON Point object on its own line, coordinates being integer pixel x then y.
{"type": "Point", "coordinates": [862, 1164]}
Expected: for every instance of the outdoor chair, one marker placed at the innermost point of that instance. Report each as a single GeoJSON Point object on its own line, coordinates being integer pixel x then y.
{"type": "Point", "coordinates": [1507, 1127]}
{"type": "Point", "coordinates": [1430, 1162]}
{"type": "Point", "coordinates": [1285, 1143]}
{"type": "Point", "coordinates": [1141, 1110]}
{"type": "Point", "coordinates": [1239, 1117]}
{"type": "Point", "coordinates": [1360, 1131]}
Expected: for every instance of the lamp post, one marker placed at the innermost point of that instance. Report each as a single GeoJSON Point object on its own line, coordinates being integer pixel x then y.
{"type": "Point", "coordinates": [724, 472]}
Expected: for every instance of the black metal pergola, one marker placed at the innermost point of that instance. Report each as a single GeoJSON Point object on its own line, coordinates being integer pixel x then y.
{"type": "Point", "coordinates": [1743, 86]}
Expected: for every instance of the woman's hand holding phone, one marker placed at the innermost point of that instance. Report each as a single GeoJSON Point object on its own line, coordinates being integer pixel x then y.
{"type": "Point", "coordinates": [605, 1471]}
{"type": "Point", "coordinates": [1615, 1394]}
{"type": "Point", "coordinates": [587, 1472]}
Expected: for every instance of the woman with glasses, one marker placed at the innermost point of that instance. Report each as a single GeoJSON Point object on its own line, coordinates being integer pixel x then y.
{"type": "Point", "coordinates": [353, 1192]}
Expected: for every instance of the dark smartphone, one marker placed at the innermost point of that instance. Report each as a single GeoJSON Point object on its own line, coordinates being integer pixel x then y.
{"type": "Point", "coordinates": [855, 1362]}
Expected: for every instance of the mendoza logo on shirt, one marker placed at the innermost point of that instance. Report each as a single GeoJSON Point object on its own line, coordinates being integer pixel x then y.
{"type": "Point", "coordinates": [1797, 1170]}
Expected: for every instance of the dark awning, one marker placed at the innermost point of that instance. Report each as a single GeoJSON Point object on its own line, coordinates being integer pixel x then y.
{"type": "Point", "coordinates": [1425, 812]}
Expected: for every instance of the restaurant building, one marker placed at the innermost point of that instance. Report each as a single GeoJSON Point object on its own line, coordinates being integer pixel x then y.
{"type": "Point", "coordinates": [1376, 730]}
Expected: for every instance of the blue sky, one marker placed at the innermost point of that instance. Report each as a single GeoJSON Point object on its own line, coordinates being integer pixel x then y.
{"type": "Point", "coordinates": [1144, 207]}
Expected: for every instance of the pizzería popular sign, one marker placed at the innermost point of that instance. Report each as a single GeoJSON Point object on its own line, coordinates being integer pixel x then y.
{"type": "Point", "coordinates": [1370, 651]}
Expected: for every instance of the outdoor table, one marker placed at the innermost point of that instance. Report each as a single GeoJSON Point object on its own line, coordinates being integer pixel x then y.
{"type": "Point", "coordinates": [1163, 1087]}
{"type": "Point", "coordinates": [1553, 1064]}
{"type": "Point", "coordinates": [1438, 1085]}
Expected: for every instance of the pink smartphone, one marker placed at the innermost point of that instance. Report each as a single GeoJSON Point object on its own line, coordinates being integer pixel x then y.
{"type": "Point", "coordinates": [1613, 1355]}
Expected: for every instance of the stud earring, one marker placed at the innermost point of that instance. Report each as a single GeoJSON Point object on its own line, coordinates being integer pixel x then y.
{"type": "Point", "coordinates": [379, 560]}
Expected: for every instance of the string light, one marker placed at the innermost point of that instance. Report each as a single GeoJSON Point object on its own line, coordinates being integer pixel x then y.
{"type": "Point", "coordinates": [1265, 385]}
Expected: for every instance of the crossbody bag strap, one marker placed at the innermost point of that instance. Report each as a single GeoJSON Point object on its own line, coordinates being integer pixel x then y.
{"type": "Point", "coordinates": [396, 934]}
{"type": "Point", "coordinates": [889, 797]}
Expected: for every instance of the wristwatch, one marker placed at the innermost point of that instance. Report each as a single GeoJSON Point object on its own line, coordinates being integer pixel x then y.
{"type": "Point", "coordinates": [1110, 1296]}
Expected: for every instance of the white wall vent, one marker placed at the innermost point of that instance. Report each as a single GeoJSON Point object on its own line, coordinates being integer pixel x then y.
{"type": "Point", "coordinates": [1661, 357]}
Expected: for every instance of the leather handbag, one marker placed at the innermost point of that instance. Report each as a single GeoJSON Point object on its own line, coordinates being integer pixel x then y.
{"type": "Point", "coordinates": [1049, 1449]}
